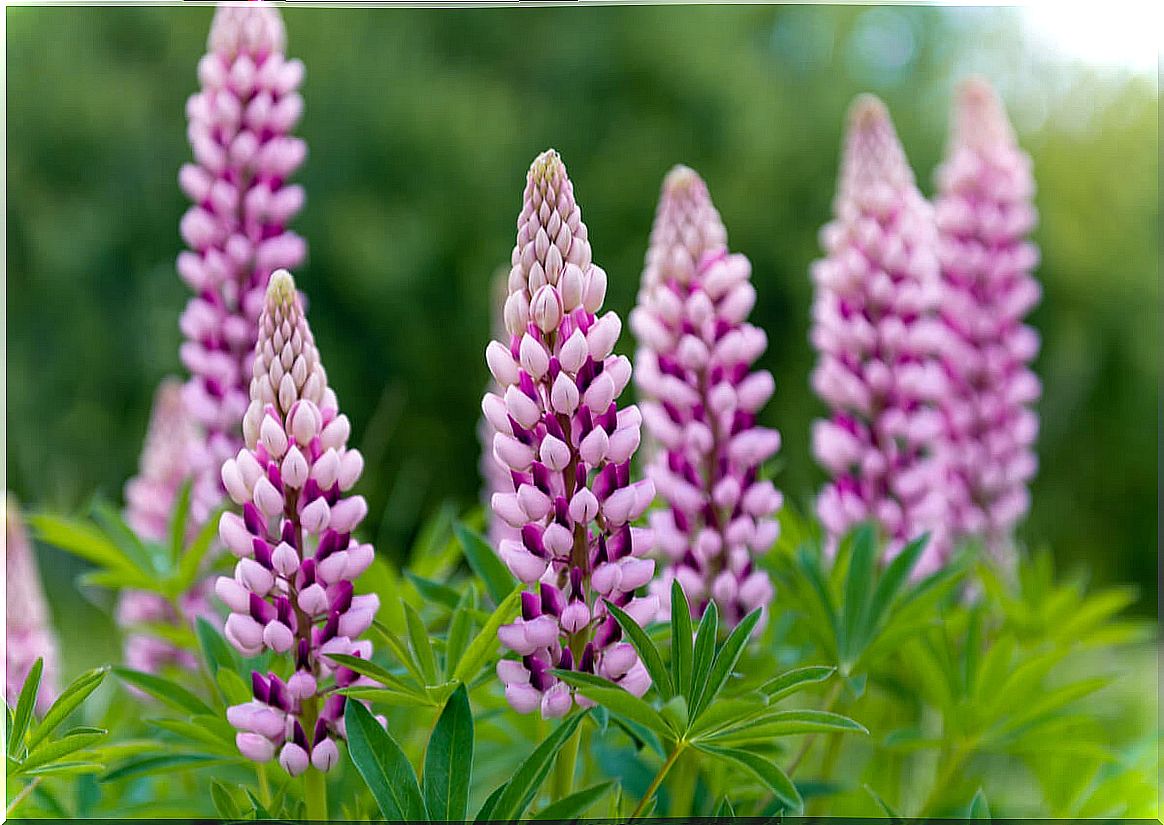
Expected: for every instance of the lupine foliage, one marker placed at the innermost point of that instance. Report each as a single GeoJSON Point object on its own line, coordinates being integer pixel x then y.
{"type": "Point", "coordinates": [896, 672]}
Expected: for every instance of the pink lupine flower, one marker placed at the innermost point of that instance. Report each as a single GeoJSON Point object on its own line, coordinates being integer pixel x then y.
{"type": "Point", "coordinates": [495, 475]}
{"type": "Point", "coordinates": [694, 368]}
{"type": "Point", "coordinates": [292, 587]}
{"type": "Point", "coordinates": [239, 125]}
{"type": "Point", "coordinates": [985, 214]}
{"type": "Point", "coordinates": [150, 500]}
{"type": "Point", "coordinates": [568, 449]}
{"type": "Point", "coordinates": [876, 329]}
{"type": "Point", "coordinates": [28, 625]}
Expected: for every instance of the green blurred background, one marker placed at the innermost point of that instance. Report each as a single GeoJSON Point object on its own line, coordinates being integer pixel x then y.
{"type": "Point", "coordinates": [421, 124]}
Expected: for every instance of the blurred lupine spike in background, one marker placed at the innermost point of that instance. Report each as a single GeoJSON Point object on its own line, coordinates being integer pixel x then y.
{"type": "Point", "coordinates": [236, 229]}
{"type": "Point", "coordinates": [292, 590]}
{"type": "Point", "coordinates": [568, 448]}
{"type": "Point", "coordinates": [693, 369]}
{"type": "Point", "coordinates": [28, 627]}
{"type": "Point", "coordinates": [878, 336]}
{"type": "Point", "coordinates": [985, 214]}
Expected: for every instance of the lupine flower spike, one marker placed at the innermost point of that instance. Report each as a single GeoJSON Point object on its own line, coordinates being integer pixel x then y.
{"type": "Point", "coordinates": [28, 626]}
{"type": "Point", "coordinates": [568, 449]}
{"type": "Point", "coordinates": [985, 214]}
{"type": "Point", "coordinates": [693, 368]}
{"type": "Point", "coordinates": [150, 499]}
{"type": "Point", "coordinates": [239, 126]}
{"type": "Point", "coordinates": [494, 473]}
{"type": "Point", "coordinates": [876, 329]}
{"type": "Point", "coordinates": [292, 588]}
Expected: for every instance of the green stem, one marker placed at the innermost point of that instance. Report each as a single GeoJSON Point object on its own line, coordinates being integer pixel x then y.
{"type": "Point", "coordinates": [20, 797]}
{"type": "Point", "coordinates": [565, 766]}
{"type": "Point", "coordinates": [834, 694]}
{"type": "Point", "coordinates": [943, 779]}
{"type": "Point", "coordinates": [658, 780]}
{"type": "Point", "coordinates": [315, 795]}
{"type": "Point", "coordinates": [264, 787]}
{"type": "Point", "coordinates": [686, 772]}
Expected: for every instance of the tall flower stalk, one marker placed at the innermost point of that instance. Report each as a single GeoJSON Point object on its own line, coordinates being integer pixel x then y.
{"type": "Point", "coordinates": [239, 125]}
{"type": "Point", "coordinates": [292, 589]}
{"type": "Point", "coordinates": [28, 626]}
{"type": "Point", "coordinates": [693, 368]}
{"type": "Point", "coordinates": [985, 215]}
{"type": "Point", "coordinates": [879, 338]}
{"type": "Point", "coordinates": [567, 447]}
{"type": "Point", "coordinates": [150, 498]}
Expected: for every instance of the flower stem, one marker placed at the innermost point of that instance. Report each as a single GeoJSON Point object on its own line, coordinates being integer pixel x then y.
{"type": "Point", "coordinates": [315, 795]}
{"type": "Point", "coordinates": [20, 797]}
{"type": "Point", "coordinates": [565, 765]}
{"type": "Point", "coordinates": [658, 780]}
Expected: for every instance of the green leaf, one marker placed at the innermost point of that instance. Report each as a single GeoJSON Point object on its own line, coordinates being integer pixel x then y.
{"type": "Point", "coordinates": [190, 562]}
{"type": "Point", "coordinates": [767, 771]}
{"type": "Point", "coordinates": [83, 540]}
{"type": "Point", "coordinates": [725, 712]}
{"type": "Point", "coordinates": [113, 523]}
{"type": "Point", "coordinates": [54, 751]}
{"type": "Point", "coordinates": [372, 671]}
{"type": "Point", "coordinates": [724, 810]}
{"type": "Point", "coordinates": [434, 592]}
{"type": "Point", "coordinates": [485, 642]}
{"type": "Point", "coordinates": [421, 645]}
{"type": "Point", "coordinates": [212, 731]}
{"type": "Point", "coordinates": [881, 803]}
{"type": "Point", "coordinates": [164, 690]}
{"type": "Point", "coordinates": [215, 651]}
{"type": "Point", "coordinates": [499, 582]}
{"type": "Point", "coordinates": [618, 700]}
{"type": "Point", "coordinates": [705, 637]}
{"type": "Point", "coordinates": [895, 575]}
{"type": "Point", "coordinates": [224, 802]}
{"type": "Point", "coordinates": [165, 763]}
{"type": "Point", "coordinates": [72, 697]}
{"type": "Point", "coordinates": [234, 689]}
{"type": "Point", "coordinates": [399, 649]}
{"type": "Point", "coordinates": [795, 680]}
{"type": "Point", "coordinates": [681, 640]}
{"type": "Point", "coordinates": [779, 723]}
{"type": "Point", "coordinates": [448, 762]}
{"type": "Point", "coordinates": [24, 706]}
{"type": "Point", "coordinates": [725, 661]}
{"type": "Point", "coordinates": [485, 814]}
{"type": "Point", "coordinates": [857, 585]}
{"type": "Point", "coordinates": [65, 769]}
{"type": "Point", "coordinates": [648, 652]}
{"type": "Point", "coordinates": [574, 805]}
{"type": "Point", "coordinates": [178, 518]}
{"type": "Point", "coordinates": [521, 788]}
{"type": "Point", "coordinates": [384, 767]}
{"type": "Point", "coordinates": [459, 626]}
{"type": "Point", "coordinates": [978, 807]}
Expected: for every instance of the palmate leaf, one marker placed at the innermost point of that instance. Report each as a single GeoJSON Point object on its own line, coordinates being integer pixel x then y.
{"type": "Point", "coordinates": [499, 582]}
{"type": "Point", "coordinates": [725, 662]}
{"type": "Point", "coordinates": [651, 658]}
{"type": "Point", "coordinates": [24, 706]}
{"type": "Point", "coordinates": [777, 723]}
{"type": "Point", "coordinates": [704, 653]}
{"type": "Point", "coordinates": [164, 690]}
{"type": "Point", "coordinates": [85, 541]}
{"type": "Point", "coordinates": [460, 624]}
{"type": "Point", "coordinates": [421, 645]}
{"type": "Point", "coordinates": [70, 699]}
{"type": "Point", "coordinates": [448, 761]}
{"type": "Point", "coordinates": [862, 559]}
{"type": "Point", "coordinates": [682, 642]}
{"type": "Point", "coordinates": [178, 520]}
{"type": "Point", "coordinates": [166, 763]}
{"type": "Point", "coordinates": [618, 700]}
{"type": "Point", "coordinates": [767, 771]}
{"type": "Point", "coordinates": [485, 642]}
{"type": "Point", "coordinates": [519, 792]}
{"type": "Point", "coordinates": [52, 752]}
{"type": "Point", "coordinates": [795, 680]}
{"type": "Point", "coordinates": [384, 767]}
{"type": "Point", "coordinates": [574, 805]}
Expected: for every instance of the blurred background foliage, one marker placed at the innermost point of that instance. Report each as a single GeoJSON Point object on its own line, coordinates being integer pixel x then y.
{"type": "Point", "coordinates": [421, 124]}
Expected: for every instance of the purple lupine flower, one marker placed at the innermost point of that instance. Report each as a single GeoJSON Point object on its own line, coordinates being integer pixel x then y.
{"type": "Point", "coordinates": [292, 587]}
{"type": "Point", "coordinates": [876, 329]}
{"type": "Point", "coordinates": [236, 228]}
{"type": "Point", "coordinates": [985, 214]}
{"type": "Point", "coordinates": [568, 449]}
{"type": "Point", "coordinates": [693, 367]}
{"type": "Point", "coordinates": [495, 475]}
{"type": "Point", "coordinates": [28, 625]}
{"type": "Point", "coordinates": [150, 499]}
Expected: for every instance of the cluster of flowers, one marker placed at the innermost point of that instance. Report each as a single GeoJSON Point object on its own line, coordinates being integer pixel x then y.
{"type": "Point", "coordinates": [917, 319]}
{"type": "Point", "coordinates": [239, 125]}
{"type": "Point", "coordinates": [693, 367]}
{"type": "Point", "coordinates": [292, 589]}
{"type": "Point", "coordinates": [567, 446]}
